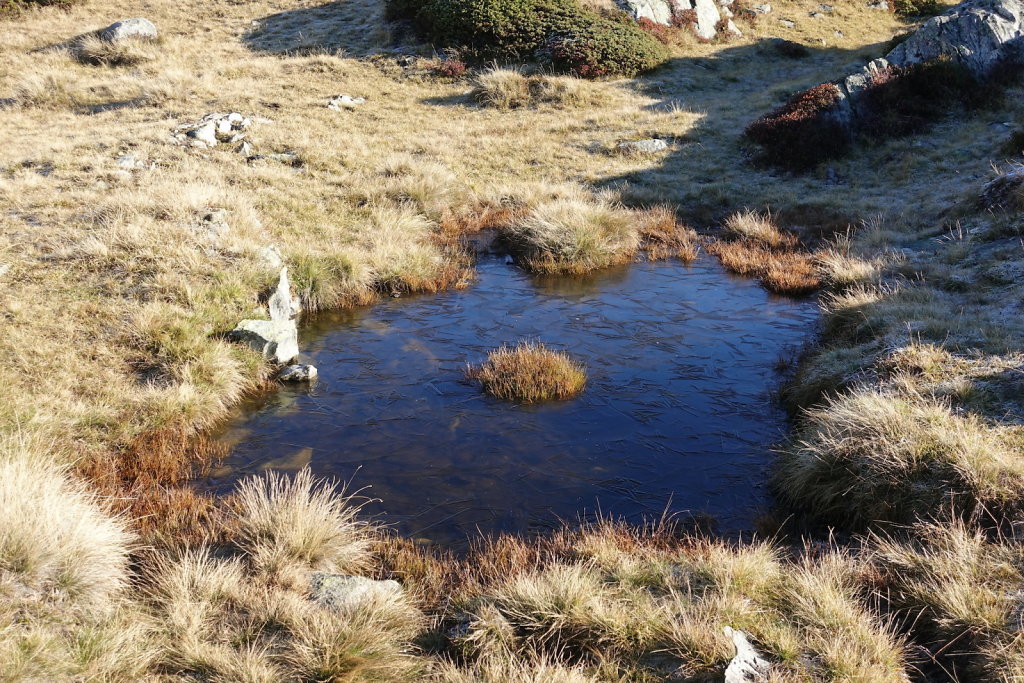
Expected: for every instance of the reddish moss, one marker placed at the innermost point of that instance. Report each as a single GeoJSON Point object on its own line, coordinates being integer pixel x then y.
{"type": "Point", "coordinates": [803, 132]}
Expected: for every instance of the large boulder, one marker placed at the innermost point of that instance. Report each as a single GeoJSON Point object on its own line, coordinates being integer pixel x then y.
{"type": "Point", "coordinates": [136, 28]}
{"type": "Point", "coordinates": [663, 12]}
{"type": "Point", "coordinates": [980, 34]}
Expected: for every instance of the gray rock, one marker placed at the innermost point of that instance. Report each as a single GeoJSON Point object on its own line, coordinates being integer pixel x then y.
{"type": "Point", "coordinates": [339, 102]}
{"type": "Point", "coordinates": [707, 18]}
{"type": "Point", "coordinates": [276, 341]}
{"type": "Point", "coordinates": [342, 593]}
{"type": "Point", "coordinates": [298, 373]}
{"type": "Point", "coordinates": [214, 128]}
{"type": "Point", "coordinates": [827, 9]}
{"type": "Point", "coordinates": [277, 338]}
{"type": "Point", "coordinates": [879, 4]}
{"type": "Point", "coordinates": [649, 146]}
{"type": "Point", "coordinates": [129, 162]}
{"type": "Point", "coordinates": [136, 28]}
{"type": "Point", "coordinates": [763, 9]}
{"type": "Point", "coordinates": [206, 134]}
{"type": "Point", "coordinates": [980, 34]}
{"type": "Point", "coordinates": [747, 666]}
{"type": "Point", "coordinates": [787, 23]}
{"type": "Point", "coordinates": [658, 11]}
{"type": "Point", "coordinates": [816, 15]}
{"type": "Point", "coordinates": [215, 223]}
{"type": "Point", "coordinates": [1003, 191]}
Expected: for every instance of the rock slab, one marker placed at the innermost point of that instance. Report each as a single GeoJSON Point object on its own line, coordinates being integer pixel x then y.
{"type": "Point", "coordinates": [342, 593]}
{"type": "Point", "coordinates": [748, 666]}
{"type": "Point", "coordinates": [136, 28]}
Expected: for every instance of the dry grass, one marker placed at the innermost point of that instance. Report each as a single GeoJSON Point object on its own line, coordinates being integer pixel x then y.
{"type": "Point", "coordinates": [92, 49]}
{"type": "Point", "coordinates": [530, 372]}
{"type": "Point", "coordinates": [868, 456]}
{"type": "Point", "coordinates": [758, 228]}
{"type": "Point", "coordinates": [510, 88]}
{"type": "Point", "coordinates": [287, 526]}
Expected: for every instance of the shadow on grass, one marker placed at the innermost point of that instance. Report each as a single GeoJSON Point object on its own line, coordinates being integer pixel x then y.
{"type": "Point", "coordinates": [343, 27]}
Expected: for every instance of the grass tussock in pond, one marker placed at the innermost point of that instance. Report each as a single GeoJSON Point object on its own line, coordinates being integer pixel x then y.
{"type": "Point", "coordinates": [759, 248]}
{"type": "Point", "coordinates": [530, 372]}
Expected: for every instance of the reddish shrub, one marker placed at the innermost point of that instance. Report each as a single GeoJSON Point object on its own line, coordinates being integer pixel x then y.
{"type": "Point", "coordinates": [450, 68]}
{"type": "Point", "coordinates": [803, 132]}
{"type": "Point", "coordinates": [668, 35]}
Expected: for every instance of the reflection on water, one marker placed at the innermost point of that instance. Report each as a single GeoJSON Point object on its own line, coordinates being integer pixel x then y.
{"type": "Point", "coordinates": [677, 411]}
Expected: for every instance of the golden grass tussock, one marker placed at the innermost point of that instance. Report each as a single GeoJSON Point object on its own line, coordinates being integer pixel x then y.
{"type": "Point", "coordinates": [530, 372]}
{"type": "Point", "coordinates": [664, 236]}
{"type": "Point", "coordinates": [867, 456]}
{"type": "Point", "coordinates": [510, 88]}
{"type": "Point", "coordinates": [760, 228]}
{"type": "Point", "coordinates": [572, 236]}
{"type": "Point", "coordinates": [287, 526]}
{"type": "Point", "coordinates": [54, 534]}
{"type": "Point", "coordinates": [780, 272]}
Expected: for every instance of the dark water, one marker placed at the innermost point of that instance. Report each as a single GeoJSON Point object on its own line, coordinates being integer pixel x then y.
{"type": "Point", "coordinates": [677, 412]}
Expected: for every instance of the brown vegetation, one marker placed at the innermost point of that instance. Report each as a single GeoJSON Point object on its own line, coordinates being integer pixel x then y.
{"type": "Point", "coordinates": [530, 372]}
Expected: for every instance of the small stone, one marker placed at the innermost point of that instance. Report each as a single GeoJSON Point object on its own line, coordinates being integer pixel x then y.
{"type": "Point", "coordinates": [763, 9]}
{"type": "Point", "coordinates": [828, 9]}
{"type": "Point", "coordinates": [235, 119]}
{"type": "Point", "coordinates": [649, 146]}
{"type": "Point", "coordinates": [788, 23]}
{"type": "Point", "coordinates": [298, 373]}
{"type": "Point", "coordinates": [245, 149]}
{"type": "Point", "coordinates": [215, 222]}
{"type": "Point", "coordinates": [839, 34]}
{"type": "Point", "coordinates": [206, 134]}
{"type": "Point", "coordinates": [748, 666]}
{"type": "Point", "coordinates": [339, 102]}
{"type": "Point", "coordinates": [129, 162]}
{"type": "Point", "coordinates": [816, 15]}
{"type": "Point", "coordinates": [135, 28]}
{"type": "Point", "coordinates": [879, 4]}
{"type": "Point", "coordinates": [342, 593]}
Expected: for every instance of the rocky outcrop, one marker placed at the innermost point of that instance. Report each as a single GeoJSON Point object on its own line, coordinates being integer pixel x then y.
{"type": "Point", "coordinates": [136, 28]}
{"type": "Point", "coordinates": [341, 593]}
{"type": "Point", "coordinates": [277, 339]}
{"type": "Point", "coordinates": [662, 12]}
{"type": "Point", "coordinates": [980, 34]}
{"type": "Point", "coordinates": [212, 130]}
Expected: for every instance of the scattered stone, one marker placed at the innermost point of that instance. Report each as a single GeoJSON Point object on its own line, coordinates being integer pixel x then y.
{"type": "Point", "coordinates": [129, 162]}
{"type": "Point", "coordinates": [879, 4]}
{"type": "Point", "coordinates": [839, 34]}
{"type": "Point", "coordinates": [298, 373]}
{"type": "Point", "coordinates": [271, 256]}
{"type": "Point", "coordinates": [1004, 191]}
{"type": "Point", "coordinates": [215, 223]}
{"type": "Point", "coordinates": [135, 28]}
{"type": "Point", "coordinates": [342, 593]}
{"type": "Point", "coordinates": [827, 9]}
{"type": "Point", "coordinates": [816, 15]}
{"type": "Point", "coordinates": [748, 666]}
{"type": "Point", "coordinates": [649, 146]}
{"type": "Point", "coordinates": [277, 338]}
{"type": "Point", "coordinates": [245, 149]}
{"type": "Point", "coordinates": [4, 269]}
{"type": "Point", "coordinates": [788, 23]}
{"type": "Point", "coordinates": [213, 129]}
{"type": "Point", "coordinates": [763, 9]}
{"type": "Point", "coordinates": [339, 102]}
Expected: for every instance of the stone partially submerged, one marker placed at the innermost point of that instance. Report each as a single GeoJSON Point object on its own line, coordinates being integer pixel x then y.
{"type": "Point", "coordinates": [277, 339]}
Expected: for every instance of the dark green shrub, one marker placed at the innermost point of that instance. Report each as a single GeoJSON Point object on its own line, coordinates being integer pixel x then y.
{"type": "Point", "coordinates": [559, 31]}
{"type": "Point", "coordinates": [605, 48]}
{"type": "Point", "coordinates": [803, 132]}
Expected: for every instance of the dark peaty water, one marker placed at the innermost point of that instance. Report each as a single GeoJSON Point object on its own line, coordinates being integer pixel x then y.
{"type": "Point", "coordinates": [677, 413]}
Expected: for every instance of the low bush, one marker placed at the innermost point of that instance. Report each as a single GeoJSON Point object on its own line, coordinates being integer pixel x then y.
{"type": "Point", "coordinates": [530, 372]}
{"type": "Point", "coordinates": [917, 8]}
{"type": "Point", "coordinates": [803, 132]}
{"type": "Point", "coordinates": [558, 32]}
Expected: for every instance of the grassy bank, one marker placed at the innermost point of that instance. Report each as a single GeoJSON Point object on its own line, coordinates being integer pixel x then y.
{"type": "Point", "coordinates": [118, 289]}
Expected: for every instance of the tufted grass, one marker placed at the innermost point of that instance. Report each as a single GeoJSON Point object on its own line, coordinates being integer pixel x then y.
{"type": "Point", "coordinates": [530, 372]}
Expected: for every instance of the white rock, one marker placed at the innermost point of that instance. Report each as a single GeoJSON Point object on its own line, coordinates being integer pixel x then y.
{"type": "Point", "coordinates": [658, 11]}
{"type": "Point", "coordinates": [298, 373]}
{"type": "Point", "coordinates": [649, 146]}
{"type": "Point", "coordinates": [284, 305]}
{"type": "Point", "coordinates": [206, 134]}
{"type": "Point", "coordinates": [276, 341]}
{"type": "Point", "coordinates": [134, 28]}
{"type": "Point", "coordinates": [235, 118]}
{"type": "Point", "coordinates": [747, 666]}
{"type": "Point", "coordinates": [339, 102]}
{"type": "Point", "coordinates": [707, 18]}
{"type": "Point", "coordinates": [347, 593]}
{"type": "Point", "coordinates": [763, 9]}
